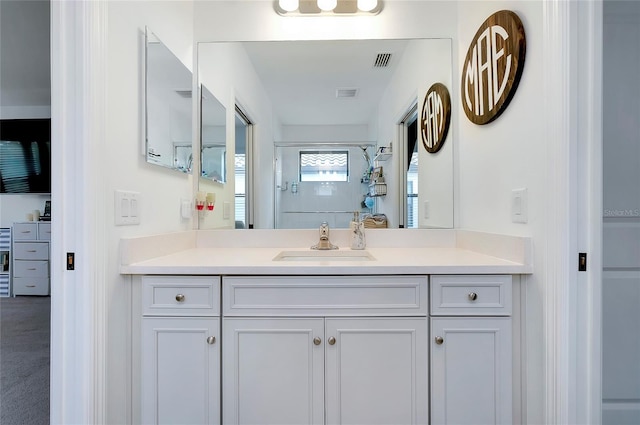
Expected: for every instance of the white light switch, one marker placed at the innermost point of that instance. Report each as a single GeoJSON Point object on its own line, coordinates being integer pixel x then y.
{"type": "Point", "coordinates": [519, 205]}
{"type": "Point", "coordinates": [186, 208]}
{"type": "Point", "coordinates": [127, 208]}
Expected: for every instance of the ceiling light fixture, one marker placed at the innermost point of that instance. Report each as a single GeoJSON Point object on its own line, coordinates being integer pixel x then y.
{"type": "Point", "coordinates": [288, 5]}
{"type": "Point", "coordinates": [327, 5]}
{"type": "Point", "coordinates": [367, 5]}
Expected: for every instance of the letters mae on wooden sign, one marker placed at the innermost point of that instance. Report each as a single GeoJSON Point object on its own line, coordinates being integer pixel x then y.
{"type": "Point", "coordinates": [493, 67]}
{"type": "Point", "coordinates": [435, 118]}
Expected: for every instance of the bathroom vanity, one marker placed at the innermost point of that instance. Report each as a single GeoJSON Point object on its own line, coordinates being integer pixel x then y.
{"type": "Point", "coordinates": [257, 333]}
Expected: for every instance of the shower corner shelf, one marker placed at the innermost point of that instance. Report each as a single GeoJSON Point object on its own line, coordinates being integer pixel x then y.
{"type": "Point", "coordinates": [377, 189]}
{"type": "Point", "coordinates": [383, 153]}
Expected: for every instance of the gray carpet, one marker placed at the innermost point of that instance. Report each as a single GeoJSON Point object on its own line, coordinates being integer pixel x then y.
{"type": "Point", "coordinates": [24, 360]}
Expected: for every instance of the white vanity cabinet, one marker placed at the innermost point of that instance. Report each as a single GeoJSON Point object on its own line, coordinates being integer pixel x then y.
{"type": "Point", "coordinates": [298, 348]}
{"type": "Point", "coordinates": [180, 350]}
{"type": "Point", "coordinates": [471, 350]}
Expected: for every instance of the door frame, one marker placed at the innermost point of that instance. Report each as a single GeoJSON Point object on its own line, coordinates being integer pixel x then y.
{"type": "Point", "coordinates": [403, 139]}
{"type": "Point", "coordinates": [79, 35]}
{"type": "Point", "coordinates": [572, 43]}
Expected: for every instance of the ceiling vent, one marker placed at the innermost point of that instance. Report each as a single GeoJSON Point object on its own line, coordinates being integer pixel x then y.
{"type": "Point", "coordinates": [382, 60]}
{"type": "Point", "coordinates": [184, 93]}
{"type": "Point", "coordinates": [343, 93]}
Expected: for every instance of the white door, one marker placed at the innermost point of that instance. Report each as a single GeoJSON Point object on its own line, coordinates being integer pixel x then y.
{"type": "Point", "coordinates": [180, 370]}
{"type": "Point", "coordinates": [273, 371]}
{"type": "Point", "coordinates": [471, 371]}
{"type": "Point", "coordinates": [621, 218]}
{"type": "Point", "coordinates": [376, 371]}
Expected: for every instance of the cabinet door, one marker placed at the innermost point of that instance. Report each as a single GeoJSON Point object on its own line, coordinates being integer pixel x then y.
{"type": "Point", "coordinates": [180, 370]}
{"type": "Point", "coordinates": [471, 371]}
{"type": "Point", "coordinates": [376, 371]}
{"type": "Point", "coordinates": [273, 371]}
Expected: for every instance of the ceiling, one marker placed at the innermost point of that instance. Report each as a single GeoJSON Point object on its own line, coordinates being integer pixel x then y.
{"type": "Point", "coordinates": [302, 77]}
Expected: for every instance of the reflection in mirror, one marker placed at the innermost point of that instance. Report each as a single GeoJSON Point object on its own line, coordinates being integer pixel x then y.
{"type": "Point", "coordinates": [330, 93]}
{"type": "Point", "coordinates": [168, 107]}
{"type": "Point", "coordinates": [242, 177]}
{"type": "Point", "coordinates": [322, 182]}
{"type": "Point", "coordinates": [214, 136]}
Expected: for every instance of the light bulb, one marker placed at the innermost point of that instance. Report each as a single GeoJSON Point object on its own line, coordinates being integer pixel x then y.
{"type": "Point", "coordinates": [327, 5]}
{"type": "Point", "coordinates": [288, 5]}
{"type": "Point", "coordinates": [367, 5]}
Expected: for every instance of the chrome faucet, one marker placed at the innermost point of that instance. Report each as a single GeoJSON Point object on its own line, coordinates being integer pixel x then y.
{"type": "Point", "coordinates": [324, 242]}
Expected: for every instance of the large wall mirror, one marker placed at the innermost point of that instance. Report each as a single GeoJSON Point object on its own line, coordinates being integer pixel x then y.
{"type": "Point", "coordinates": [325, 96]}
{"type": "Point", "coordinates": [168, 107]}
{"type": "Point", "coordinates": [213, 138]}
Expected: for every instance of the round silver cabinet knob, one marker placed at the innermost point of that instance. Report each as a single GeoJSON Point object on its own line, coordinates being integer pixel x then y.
{"type": "Point", "coordinates": [317, 340]}
{"type": "Point", "coordinates": [180, 298]}
{"type": "Point", "coordinates": [211, 340]}
{"type": "Point", "coordinates": [439, 340]}
{"type": "Point", "coordinates": [473, 296]}
{"type": "Point", "coordinates": [332, 340]}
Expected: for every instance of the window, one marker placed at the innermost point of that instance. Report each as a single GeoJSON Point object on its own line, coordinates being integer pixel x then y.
{"type": "Point", "coordinates": [324, 166]}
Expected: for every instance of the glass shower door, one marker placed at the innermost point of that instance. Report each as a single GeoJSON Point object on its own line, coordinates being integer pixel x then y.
{"type": "Point", "coordinates": [320, 182]}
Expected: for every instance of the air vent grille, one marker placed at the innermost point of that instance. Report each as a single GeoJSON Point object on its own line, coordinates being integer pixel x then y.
{"type": "Point", "coordinates": [382, 60]}
{"type": "Point", "coordinates": [184, 93]}
{"type": "Point", "coordinates": [341, 93]}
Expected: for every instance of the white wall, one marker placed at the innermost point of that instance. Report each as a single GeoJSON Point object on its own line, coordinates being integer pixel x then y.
{"type": "Point", "coordinates": [507, 154]}
{"type": "Point", "coordinates": [125, 168]}
{"type": "Point", "coordinates": [16, 207]}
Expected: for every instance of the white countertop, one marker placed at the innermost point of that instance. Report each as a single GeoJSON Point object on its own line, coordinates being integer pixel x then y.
{"type": "Point", "coordinates": [213, 253]}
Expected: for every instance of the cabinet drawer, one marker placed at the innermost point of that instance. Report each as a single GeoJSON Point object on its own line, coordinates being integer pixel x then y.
{"type": "Point", "coordinates": [31, 251]}
{"type": "Point", "coordinates": [180, 296]}
{"type": "Point", "coordinates": [30, 286]}
{"type": "Point", "coordinates": [471, 295]}
{"type": "Point", "coordinates": [44, 231]}
{"type": "Point", "coordinates": [325, 296]}
{"type": "Point", "coordinates": [25, 231]}
{"type": "Point", "coordinates": [31, 268]}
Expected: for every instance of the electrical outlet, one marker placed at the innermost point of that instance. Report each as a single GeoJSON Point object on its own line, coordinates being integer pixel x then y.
{"type": "Point", "coordinates": [519, 205]}
{"type": "Point", "coordinates": [127, 208]}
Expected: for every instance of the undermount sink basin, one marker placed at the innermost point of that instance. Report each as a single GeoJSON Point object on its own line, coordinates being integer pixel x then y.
{"type": "Point", "coordinates": [319, 255]}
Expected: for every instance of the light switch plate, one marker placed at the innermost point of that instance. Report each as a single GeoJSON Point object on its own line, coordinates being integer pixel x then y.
{"type": "Point", "coordinates": [127, 208]}
{"type": "Point", "coordinates": [519, 205]}
{"type": "Point", "coordinates": [186, 208]}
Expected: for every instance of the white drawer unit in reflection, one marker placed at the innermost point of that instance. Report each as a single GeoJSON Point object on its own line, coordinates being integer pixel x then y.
{"type": "Point", "coordinates": [31, 258]}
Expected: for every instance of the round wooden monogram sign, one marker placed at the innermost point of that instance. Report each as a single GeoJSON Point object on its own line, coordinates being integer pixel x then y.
{"type": "Point", "coordinates": [493, 67]}
{"type": "Point", "coordinates": [436, 116]}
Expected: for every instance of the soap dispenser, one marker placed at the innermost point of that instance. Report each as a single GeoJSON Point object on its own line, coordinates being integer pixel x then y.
{"type": "Point", "coordinates": [357, 232]}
